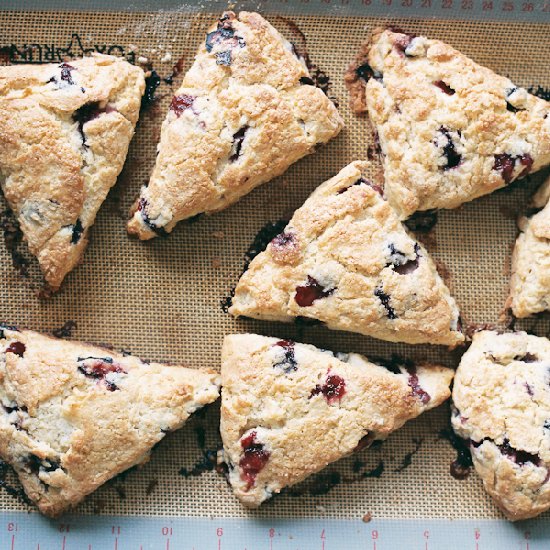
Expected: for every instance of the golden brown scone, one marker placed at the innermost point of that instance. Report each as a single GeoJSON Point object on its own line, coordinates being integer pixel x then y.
{"type": "Point", "coordinates": [530, 282]}
{"type": "Point", "coordinates": [450, 130]}
{"type": "Point", "coordinates": [346, 260]}
{"type": "Point", "coordinates": [501, 402]}
{"type": "Point", "coordinates": [74, 415]}
{"type": "Point", "coordinates": [289, 409]}
{"type": "Point", "coordinates": [64, 135]}
{"type": "Point", "coordinates": [246, 110]}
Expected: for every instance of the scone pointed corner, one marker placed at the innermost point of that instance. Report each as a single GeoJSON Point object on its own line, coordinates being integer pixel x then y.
{"type": "Point", "coordinates": [530, 282]}
{"type": "Point", "coordinates": [62, 146]}
{"type": "Point", "coordinates": [493, 133]}
{"type": "Point", "coordinates": [75, 415]}
{"type": "Point", "coordinates": [246, 110]}
{"type": "Point", "coordinates": [289, 409]}
{"type": "Point", "coordinates": [346, 260]}
{"type": "Point", "coordinates": [501, 408]}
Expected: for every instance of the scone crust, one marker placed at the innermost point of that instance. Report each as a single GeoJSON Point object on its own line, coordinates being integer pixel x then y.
{"type": "Point", "coordinates": [246, 111]}
{"type": "Point", "coordinates": [530, 281]}
{"type": "Point", "coordinates": [501, 403]}
{"type": "Point", "coordinates": [64, 136]}
{"type": "Point", "coordinates": [450, 130]}
{"type": "Point", "coordinates": [271, 389]}
{"type": "Point", "coordinates": [347, 238]}
{"type": "Point", "coordinates": [74, 415]}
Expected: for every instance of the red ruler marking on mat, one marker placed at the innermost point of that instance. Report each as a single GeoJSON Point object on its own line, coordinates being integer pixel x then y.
{"type": "Point", "coordinates": [63, 544]}
{"type": "Point", "coordinates": [12, 542]}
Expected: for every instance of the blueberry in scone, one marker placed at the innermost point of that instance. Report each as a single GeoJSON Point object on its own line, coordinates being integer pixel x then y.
{"type": "Point", "coordinates": [245, 111]}
{"type": "Point", "coordinates": [530, 282]}
{"type": "Point", "coordinates": [450, 130]}
{"type": "Point", "coordinates": [290, 409]}
{"type": "Point", "coordinates": [73, 415]}
{"type": "Point", "coordinates": [64, 136]}
{"type": "Point", "coordinates": [345, 259]}
{"type": "Point", "coordinates": [501, 399]}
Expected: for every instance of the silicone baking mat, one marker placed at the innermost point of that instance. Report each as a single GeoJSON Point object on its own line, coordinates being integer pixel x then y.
{"type": "Point", "coordinates": [163, 299]}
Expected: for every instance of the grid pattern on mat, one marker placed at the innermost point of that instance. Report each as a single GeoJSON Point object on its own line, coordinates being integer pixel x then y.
{"type": "Point", "coordinates": [161, 299]}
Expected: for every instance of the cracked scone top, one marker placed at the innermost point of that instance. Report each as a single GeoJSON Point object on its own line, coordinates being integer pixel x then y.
{"type": "Point", "coordinates": [450, 130]}
{"type": "Point", "coordinates": [346, 260]}
{"type": "Point", "coordinates": [73, 415]}
{"type": "Point", "coordinates": [289, 409]}
{"type": "Point", "coordinates": [530, 281]}
{"type": "Point", "coordinates": [501, 398]}
{"type": "Point", "coordinates": [64, 136]}
{"type": "Point", "coordinates": [246, 110]}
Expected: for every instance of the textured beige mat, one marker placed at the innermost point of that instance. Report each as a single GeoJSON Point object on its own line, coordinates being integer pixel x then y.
{"type": "Point", "coordinates": [161, 299]}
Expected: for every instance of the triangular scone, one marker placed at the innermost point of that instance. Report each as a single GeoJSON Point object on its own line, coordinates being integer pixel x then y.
{"type": "Point", "coordinates": [246, 110]}
{"type": "Point", "coordinates": [289, 409]}
{"type": "Point", "coordinates": [345, 259]}
{"type": "Point", "coordinates": [73, 415]}
{"type": "Point", "coordinates": [530, 282]}
{"type": "Point", "coordinates": [450, 130]}
{"type": "Point", "coordinates": [501, 403]}
{"type": "Point", "coordinates": [64, 135]}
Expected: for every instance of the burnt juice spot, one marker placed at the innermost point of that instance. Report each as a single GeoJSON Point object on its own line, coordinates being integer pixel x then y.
{"type": "Point", "coordinates": [305, 80]}
{"type": "Point", "coordinates": [266, 234]}
{"type": "Point", "coordinates": [414, 383]}
{"type": "Point", "coordinates": [180, 103]}
{"type": "Point", "coordinates": [78, 229]}
{"type": "Point", "coordinates": [444, 87]}
{"type": "Point", "coordinates": [449, 150]}
{"type": "Point", "coordinates": [17, 348]}
{"type": "Point", "coordinates": [311, 291]}
{"type": "Point", "coordinates": [505, 164]}
{"type": "Point", "coordinates": [142, 206]}
{"type": "Point", "coordinates": [422, 221]}
{"type": "Point", "coordinates": [152, 82]}
{"type": "Point", "coordinates": [65, 330]}
{"type": "Point", "coordinates": [461, 467]}
{"type": "Point", "coordinates": [385, 299]}
{"type": "Point", "coordinates": [238, 138]}
{"type": "Point", "coordinates": [288, 363]}
{"type": "Point", "coordinates": [254, 458]}
{"type": "Point", "coordinates": [333, 389]}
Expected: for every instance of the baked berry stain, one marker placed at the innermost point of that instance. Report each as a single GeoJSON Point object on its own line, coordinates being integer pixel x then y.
{"type": "Point", "coordinates": [461, 467]}
{"type": "Point", "coordinates": [444, 87]}
{"type": "Point", "coordinates": [98, 368]}
{"type": "Point", "coordinates": [407, 459]}
{"type": "Point", "coordinates": [207, 463]}
{"type": "Point", "coordinates": [13, 238]}
{"type": "Point", "coordinates": [288, 363]}
{"type": "Point", "coordinates": [65, 330]}
{"type": "Point", "coordinates": [305, 80]}
{"type": "Point", "coordinates": [254, 459]}
{"type": "Point", "coordinates": [266, 234]}
{"type": "Point", "coordinates": [238, 138]}
{"type": "Point", "coordinates": [152, 82]}
{"type": "Point", "coordinates": [385, 300]}
{"type": "Point", "coordinates": [539, 91]}
{"type": "Point", "coordinates": [4, 327]}
{"type": "Point", "coordinates": [226, 302]}
{"type": "Point", "coordinates": [77, 232]}
{"type": "Point", "coordinates": [17, 348]}
{"type": "Point", "coordinates": [310, 292]}
{"type": "Point", "coordinates": [422, 221]}
{"type": "Point", "coordinates": [160, 231]}
{"type": "Point", "coordinates": [180, 103]}
{"type": "Point", "coordinates": [413, 382]}
{"type": "Point", "coordinates": [449, 150]}
{"type": "Point", "coordinates": [400, 263]}
{"type": "Point", "coordinates": [506, 164]}
{"type": "Point", "coordinates": [16, 492]}
{"type": "Point", "coordinates": [177, 69]}
{"type": "Point", "coordinates": [333, 389]}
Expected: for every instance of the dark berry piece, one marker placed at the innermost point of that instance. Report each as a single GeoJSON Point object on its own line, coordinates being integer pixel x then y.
{"type": "Point", "coordinates": [223, 58]}
{"type": "Point", "coordinates": [444, 87]}
{"type": "Point", "coordinates": [505, 163]}
{"type": "Point", "coordinates": [66, 76]}
{"type": "Point", "coordinates": [36, 464]}
{"type": "Point", "coordinates": [305, 80]}
{"type": "Point", "coordinates": [18, 348]}
{"type": "Point", "coordinates": [361, 181]}
{"type": "Point", "coordinates": [529, 389]}
{"type": "Point", "coordinates": [152, 82]}
{"type": "Point", "coordinates": [415, 385]}
{"type": "Point", "coordinates": [284, 240]}
{"type": "Point", "coordinates": [89, 111]}
{"type": "Point", "coordinates": [180, 103]}
{"type": "Point", "coordinates": [366, 72]}
{"type": "Point", "coordinates": [254, 458]}
{"type": "Point", "coordinates": [527, 161]}
{"type": "Point", "coordinates": [518, 456]}
{"type": "Point", "coordinates": [4, 327]}
{"type": "Point", "coordinates": [142, 205]}
{"type": "Point", "coordinates": [98, 368]}
{"type": "Point", "coordinates": [365, 442]}
{"type": "Point", "coordinates": [546, 425]}
{"type": "Point", "coordinates": [311, 291]}
{"type": "Point", "coordinates": [401, 264]}
{"type": "Point", "coordinates": [333, 389]}
{"type": "Point", "coordinates": [224, 34]}
{"type": "Point", "coordinates": [385, 299]}
{"type": "Point", "coordinates": [509, 106]}
{"type": "Point", "coordinates": [266, 234]}
{"type": "Point", "coordinates": [288, 363]}
{"type": "Point", "coordinates": [422, 221]}
{"type": "Point", "coordinates": [449, 150]}
{"type": "Point", "coordinates": [77, 231]}
{"type": "Point", "coordinates": [238, 138]}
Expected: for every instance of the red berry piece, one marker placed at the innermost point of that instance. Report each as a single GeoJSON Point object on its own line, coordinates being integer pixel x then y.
{"type": "Point", "coordinates": [254, 459]}
{"type": "Point", "coordinates": [311, 291]}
